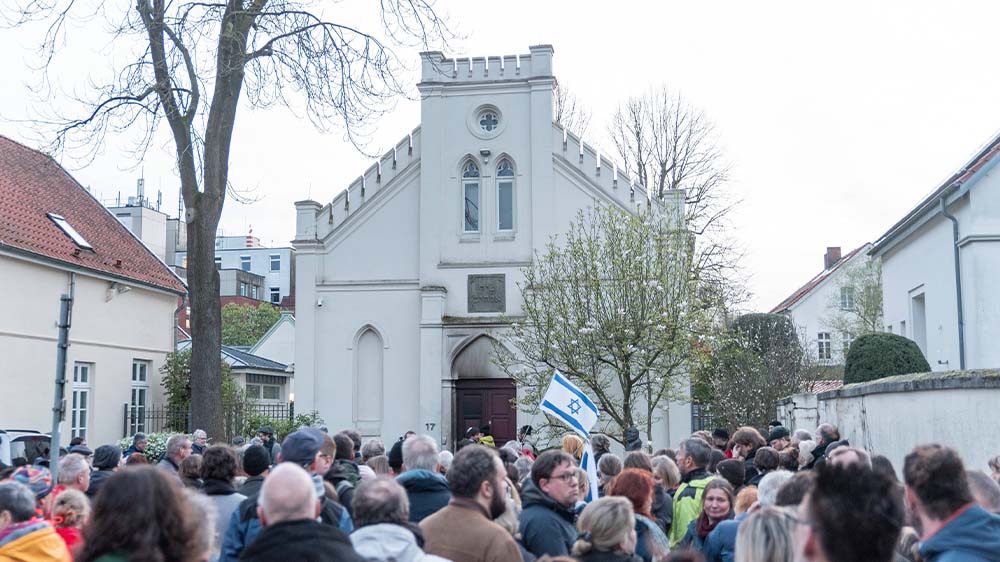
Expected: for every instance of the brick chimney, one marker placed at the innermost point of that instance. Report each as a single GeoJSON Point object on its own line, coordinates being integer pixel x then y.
{"type": "Point", "coordinates": [832, 256]}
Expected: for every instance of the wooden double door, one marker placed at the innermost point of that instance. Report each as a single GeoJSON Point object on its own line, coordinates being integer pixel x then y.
{"type": "Point", "coordinates": [486, 401]}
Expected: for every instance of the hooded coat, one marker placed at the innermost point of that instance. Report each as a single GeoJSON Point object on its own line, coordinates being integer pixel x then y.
{"type": "Point", "coordinates": [386, 542]}
{"type": "Point", "coordinates": [973, 535]}
{"type": "Point", "coordinates": [31, 541]}
{"type": "Point", "coordinates": [427, 491]}
{"type": "Point", "coordinates": [305, 541]}
{"type": "Point", "coordinates": [546, 526]}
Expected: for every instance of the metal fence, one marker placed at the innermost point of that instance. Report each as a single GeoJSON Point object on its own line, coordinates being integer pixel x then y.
{"type": "Point", "coordinates": [238, 418]}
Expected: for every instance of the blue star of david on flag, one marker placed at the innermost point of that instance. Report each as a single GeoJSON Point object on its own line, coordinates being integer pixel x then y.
{"type": "Point", "coordinates": [574, 406]}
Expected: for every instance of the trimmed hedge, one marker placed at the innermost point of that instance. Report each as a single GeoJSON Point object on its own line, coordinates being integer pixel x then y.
{"type": "Point", "coordinates": [875, 356]}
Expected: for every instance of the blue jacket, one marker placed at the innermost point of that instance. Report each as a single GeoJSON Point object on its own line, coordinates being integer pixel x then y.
{"type": "Point", "coordinates": [546, 526]}
{"type": "Point", "coordinates": [428, 492]}
{"type": "Point", "coordinates": [720, 545]}
{"type": "Point", "coordinates": [973, 536]}
{"type": "Point", "coordinates": [244, 526]}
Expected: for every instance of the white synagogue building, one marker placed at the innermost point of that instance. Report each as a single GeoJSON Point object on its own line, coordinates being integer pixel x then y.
{"type": "Point", "coordinates": [402, 278]}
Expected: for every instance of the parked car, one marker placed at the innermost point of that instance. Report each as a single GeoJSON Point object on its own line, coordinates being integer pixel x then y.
{"type": "Point", "coordinates": [23, 446]}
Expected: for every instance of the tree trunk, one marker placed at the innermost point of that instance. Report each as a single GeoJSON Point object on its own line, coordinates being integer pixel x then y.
{"type": "Point", "coordinates": [206, 328]}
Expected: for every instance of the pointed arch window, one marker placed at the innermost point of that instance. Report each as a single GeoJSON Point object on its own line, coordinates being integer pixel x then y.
{"type": "Point", "coordinates": [505, 196]}
{"type": "Point", "coordinates": [471, 197]}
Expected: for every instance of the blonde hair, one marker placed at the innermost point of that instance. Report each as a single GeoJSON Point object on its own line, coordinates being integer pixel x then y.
{"type": "Point", "coordinates": [584, 481]}
{"type": "Point", "coordinates": [573, 445]}
{"type": "Point", "coordinates": [666, 469]}
{"type": "Point", "coordinates": [71, 509]}
{"type": "Point", "coordinates": [766, 536]}
{"type": "Point", "coordinates": [745, 498]}
{"type": "Point", "coordinates": [604, 524]}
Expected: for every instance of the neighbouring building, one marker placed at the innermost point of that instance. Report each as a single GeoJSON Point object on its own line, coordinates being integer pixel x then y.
{"type": "Point", "coordinates": [403, 278]}
{"type": "Point", "coordinates": [55, 238]}
{"type": "Point", "coordinates": [273, 269]}
{"type": "Point", "coordinates": [267, 382]}
{"type": "Point", "coordinates": [811, 306]}
{"type": "Point", "coordinates": [940, 266]}
{"type": "Point", "coordinates": [163, 235]}
{"type": "Point", "coordinates": [278, 343]}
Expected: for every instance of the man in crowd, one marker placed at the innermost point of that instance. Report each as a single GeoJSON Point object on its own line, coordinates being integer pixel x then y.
{"type": "Point", "coordinates": [426, 489]}
{"type": "Point", "coordinates": [954, 528]}
{"type": "Point", "coordinates": [720, 440]}
{"type": "Point", "coordinates": [106, 461]}
{"type": "Point", "coordinates": [257, 464]}
{"type": "Point", "coordinates": [302, 448]}
{"type": "Point", "coordinates": [985, 490]}
{"type": "Point", "coordinates": [139, 442]}
{"type": "Point", "coordinates": [826, 435]}
{"type": "Point", "coordinates": [849, 455]}
{"type": "Point", "coordinates": [24, 537]}
{"type": "Point", "coordinates": [548, 499]}
{"type": "Point", "coordinates": [74, 473]}
{"type": "Point", "coordinates": [464, 531]}
{"type": "Point", "coordinates": [287, 508]}
{"type": "Point", "coordinates": [851, 513]}
{"type": "Point", "coordinates": [199, 441]}
{"type": "Point", "coordinates": [371, 449]}
{"type": "Point", "coordinates": [266, 436]}
{"type": "Point", "coordinates": [178, 449]}
{"type": "Point", "coordinates": [381, 518]}
{"type": "Point", "coordinates": [344, 474]}
{"type": "Point", "coordinates": [692, 458]}
{"type": "Point", "coordinates": [779, 438]}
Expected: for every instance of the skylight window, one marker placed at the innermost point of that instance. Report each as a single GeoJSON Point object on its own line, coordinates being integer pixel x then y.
{"type": "Point", "coordinates": [62, 223]}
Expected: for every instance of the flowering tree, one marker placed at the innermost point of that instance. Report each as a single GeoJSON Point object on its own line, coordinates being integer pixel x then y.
{"type": "Point", "coordinates": [611, 308]}
{"type": "Point", "coordinates": [758, 361]}
{"type": "Point", "coordinates": [855, 307]}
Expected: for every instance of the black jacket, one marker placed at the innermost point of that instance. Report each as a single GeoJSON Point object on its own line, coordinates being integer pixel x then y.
{"type": "Point", "coordinates": [251, 488]}
{"type": "Point", "coordinates": [306, 541]}
{"type": "Point", "coordinates": [605, 556]}
{"type": "Point", "coordinates": [428, 492]}
{"type": "Point", "coordinates": [546, 526]}
{"type": "Point", "coordinates": [344, 470]}
{"type": "Point", "coordinates": [749, 468]}
{"type": "Point", "coordinates": [97, 481]}
{"type": "Point", "coordinates": [663, 508]}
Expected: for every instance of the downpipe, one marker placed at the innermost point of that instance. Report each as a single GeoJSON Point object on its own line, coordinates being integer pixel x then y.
{"type": "Point", "coordinates": [958, 282]}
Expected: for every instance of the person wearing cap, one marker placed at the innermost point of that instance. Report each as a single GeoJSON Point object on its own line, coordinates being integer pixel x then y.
{"type": "Point", "coordinates": [23, 536]}
{"type": "Point", "coordinates": [486, 437]}
{"type": "Point", "coordinates": [106, 461]}
{"type": "Point", "coordinates": [396, 457]}
{"type": "Point", "coordinates": [139, 442]}
{"type": "Point", "coordinates": [39, 480]}
{"type": "Point", "coordinates": [266, 436]}
{"type": "Point", "coordinates": [779, 437]}
{"type": "Point", "coordinates": [302, 448]}
{"type": "Point", "coordinates": [257, 465]}
{"type": "Point", "coordinates": [199, 441]}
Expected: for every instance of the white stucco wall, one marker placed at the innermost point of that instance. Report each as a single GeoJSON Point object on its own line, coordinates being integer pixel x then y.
{"type": "Point", "coordinates": [110, 334]}
{"type": "Point", "coordinates": [279, 343]}
{"type": "Point", "coordinates": [884, 418]}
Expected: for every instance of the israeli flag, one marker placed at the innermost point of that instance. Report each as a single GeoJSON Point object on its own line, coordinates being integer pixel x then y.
{"type": "Point", "coordinates": [589, 464]}
{"type": "Point", "coordinates": [568, 403]}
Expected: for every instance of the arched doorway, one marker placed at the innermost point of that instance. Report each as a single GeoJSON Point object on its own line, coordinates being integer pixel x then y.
{"type": "Point", "coordinates": [483, 394]}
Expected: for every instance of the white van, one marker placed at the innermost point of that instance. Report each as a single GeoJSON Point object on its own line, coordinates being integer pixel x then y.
{"type": "Point", "coordinates": [23, 446]}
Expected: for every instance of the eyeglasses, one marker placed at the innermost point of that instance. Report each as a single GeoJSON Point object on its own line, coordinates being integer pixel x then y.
{"type": "Point", "coordinates": [565, 477]}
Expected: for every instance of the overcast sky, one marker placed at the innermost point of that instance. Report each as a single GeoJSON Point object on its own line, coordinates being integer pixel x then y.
{"type": "Point", "coordinates": [837, 118]}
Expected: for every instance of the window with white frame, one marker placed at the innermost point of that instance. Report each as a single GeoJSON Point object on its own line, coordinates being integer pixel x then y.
{"type": "Point", "coordinates": [264, 387]}
{"type": "Point", "coordinates": [253, 291]}
{"type": "Point", "coordinates": [245, 263]}
{"type": "Point", "coordinates": [275, 262]}
{"type": "Point", "coordinates": [140, 395]}
{"type": "Point", "coordinates": [505, 196]}
{"type": "Point", "coordinates": [823, 345]}
{"type": "Point", "coordinates": [470, 195]}
{"type": "Point", "coordinates": [846, 298]}
{"type": "Point", "coordinates": [83, 374]}
{"type": "Point", "coordinates": [275, 295]}
{"type": "Point", "coordinates": [848, 339]}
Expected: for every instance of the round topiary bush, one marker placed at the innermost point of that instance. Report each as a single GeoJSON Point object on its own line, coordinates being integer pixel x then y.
{"type": "Point", "coordinates": [876, 356]}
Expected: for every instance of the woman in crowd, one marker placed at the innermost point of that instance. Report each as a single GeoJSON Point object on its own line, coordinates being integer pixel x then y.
{"type": "Point", "coordinates": [380, 465]}
{"type": "Point", "coordinates": [746, 441]}
{"type": "Point", "coordinates": [69, 514]}
{"type": "Point", "coordinates": [190, 471]}
{"type": "Point", "coordinates": [745, 499]}
{"type": "Point", "coordinates": [607, 468]}
{"type": "Point", "coordinates": [663, 506]}
{"type": "Point", "coordinates": [573, 445]}
{"type": "Point", "coordinates": [765, 460]}
{"type": "Point", "coordinates": [637, 485]}
{"type": "Point", "coordinates": [218, 468]}
{"type": "Point", "coordinates": [665, 472]}
{"type": "Point", "coordinates": [160, 524]}
{"type": "Point", "coordinates": [607, 532]}
{"type": "Point", "coordinates": [717, 505]}
{"type": "Point", "coordinates": [767, 536]}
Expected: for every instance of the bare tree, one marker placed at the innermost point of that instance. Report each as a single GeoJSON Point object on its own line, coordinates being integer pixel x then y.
{"type": "Point", "coordinates": [194, 62]}
{"type": "Point", "coordinates": [665, 143]}
{"type": "Point", "coordinates": [855, 307]}
{"type": "Point", "coordinates": [570, 111]}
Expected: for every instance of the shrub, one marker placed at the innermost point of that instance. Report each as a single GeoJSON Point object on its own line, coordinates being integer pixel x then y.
{"type": "Point", "coordinates": [876, 356]}
{"type": "Point", "coordinates": [282, 426]}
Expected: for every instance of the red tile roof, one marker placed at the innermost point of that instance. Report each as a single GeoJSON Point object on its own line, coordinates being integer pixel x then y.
{"type": "Point", "coordinates": [804, 290]}
{"type": "Point", "coordinates": [32, 185]}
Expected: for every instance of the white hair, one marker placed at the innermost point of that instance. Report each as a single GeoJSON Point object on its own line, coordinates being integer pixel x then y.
{"type": "Point", "coordinates": [806, 449]}
{"type": "Point", "coordinates": [71, 467]}
{"type": "Point", "coordinates": [420, 453]}
{"type": "Point", "coordinates": [445, 458]}
{"type": "Point", "coordinates": [767, 490]}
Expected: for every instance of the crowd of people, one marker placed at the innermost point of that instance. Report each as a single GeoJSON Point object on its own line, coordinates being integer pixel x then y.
{"type": "Point", "coordinates": [744, 497]}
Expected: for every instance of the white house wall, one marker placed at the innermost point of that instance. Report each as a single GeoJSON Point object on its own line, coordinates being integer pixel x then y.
{"type": "Point", "coordinates": [110, 334]}
{"type": "Point", "coordinates": [280, 343]}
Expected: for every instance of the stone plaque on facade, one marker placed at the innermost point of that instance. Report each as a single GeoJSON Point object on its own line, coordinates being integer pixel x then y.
{"type": "Point", "coordinates": [487, 293]}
